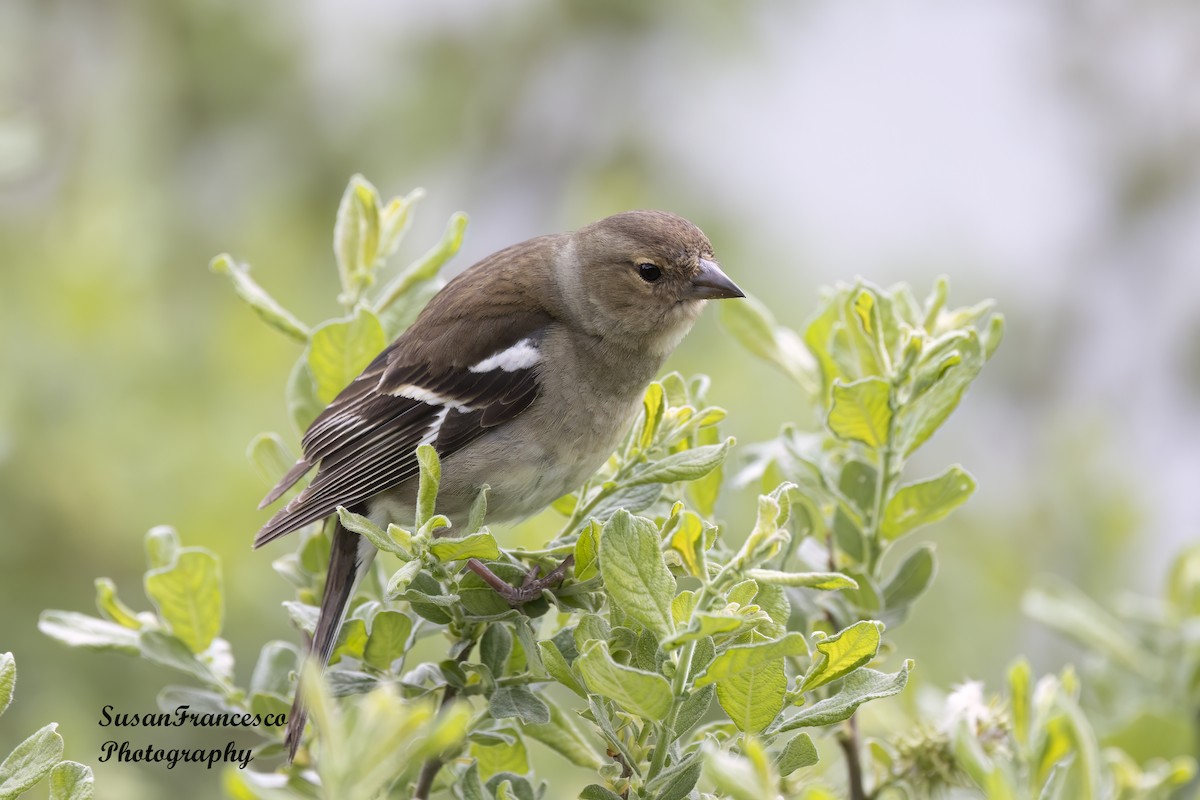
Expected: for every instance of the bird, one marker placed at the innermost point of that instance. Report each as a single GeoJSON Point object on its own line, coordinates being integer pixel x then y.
{"type": "Point", "coordinates": [523, 372]}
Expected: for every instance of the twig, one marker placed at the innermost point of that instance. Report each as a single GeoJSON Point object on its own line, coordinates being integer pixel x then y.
{"type": "Point", "coordinates": [431, 768]}
{"type": "Point", "coordinates": [849, 744]}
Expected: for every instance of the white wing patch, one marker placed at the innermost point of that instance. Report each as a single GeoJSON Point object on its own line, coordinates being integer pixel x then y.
{"type": "Point", "coordinates": [522, 355]}
{"type": "Point", "coordinates": [423, 395]}
{"type": "Point", "coordinates": [435, 427]}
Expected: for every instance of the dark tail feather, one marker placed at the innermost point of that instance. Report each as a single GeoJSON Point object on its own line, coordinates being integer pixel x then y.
{"type": "Point", "coordinates": [348, 562]}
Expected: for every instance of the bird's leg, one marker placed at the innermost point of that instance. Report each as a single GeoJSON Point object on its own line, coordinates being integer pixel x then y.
{"type": "Point", "coordinates": [530, 589]}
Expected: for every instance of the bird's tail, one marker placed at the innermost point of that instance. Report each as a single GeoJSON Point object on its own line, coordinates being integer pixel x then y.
{"type": "Point", "coordinates": [350, 556]}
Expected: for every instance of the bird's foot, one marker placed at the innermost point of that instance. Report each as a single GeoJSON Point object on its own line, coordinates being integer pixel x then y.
{"type": "Point", "coordinates": [530, 589]}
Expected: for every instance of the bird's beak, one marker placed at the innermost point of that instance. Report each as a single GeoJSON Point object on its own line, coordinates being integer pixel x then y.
{"type": "Point", "coordinates": [709, 283]}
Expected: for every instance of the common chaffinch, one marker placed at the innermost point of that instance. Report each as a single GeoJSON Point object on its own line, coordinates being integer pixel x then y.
{"type": "Point", "coordinates": [523, 373]}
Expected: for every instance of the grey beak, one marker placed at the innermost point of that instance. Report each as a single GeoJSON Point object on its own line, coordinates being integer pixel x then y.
{"type": "Point", "coordinates": [712, 284]}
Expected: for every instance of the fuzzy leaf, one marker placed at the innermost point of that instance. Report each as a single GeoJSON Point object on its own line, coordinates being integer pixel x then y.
{"type": "Point", "coordinates": [188, 597]}
{"type": "Point", "coordinates": [826, 581]}
{"type": "Point", "coordinates": [171, 651]}
{"type": "Point", "coordinates": [843, 653]}
{"type": "Point", "coordinates": [565, 737]}
{"type": "Point", "coordinates": [111, 607]}
{"type": "Point", "coordinates": [911, 579]}
{"type": "Point", "coordinates": [798, 753]}
{"type": "Point", "coordinates": [742, 657]}
{"type": "Point", "coordinates": [80, 630]}
{"type": "Point", "coordinates": [389, 636]}
{"type": "Point", "coordinates": [519, 702]}
{"type": "Point", "coordinates": [643, 693]}
{"type": "Point", "coordinates": [685, 466]}
{"type": "Point", "coordinates": [70, 780]}
{"type": "Point", "coordinates": [861, 411]}
{"type": "Point", "coordinates": [8, 679]}
{"type": "Point", "coordinates": [481, 545]}
{"type": "Point", "coordinates": [587, 551]}
{"type": "Point", "coordinates": [339, 350]}
{"type": "Point", "coordinates": [918, 504]}
{"type": "Point", "coordinates": [257, 298]}
{"type": "Point", "coordinates": [754, 697]}
{"type": "Point", "coordinates": [556, 664]}
{"type": "Point", "coordinates": [427, 489]}
{"type": "Point", "coordinates": [634, 573]}
{"type": "Point", "coordinates": [753, 325]}
{"type": "Point", "coordinates": [858, 687]}
{"type": "Point", "coordinates": [30, 761]}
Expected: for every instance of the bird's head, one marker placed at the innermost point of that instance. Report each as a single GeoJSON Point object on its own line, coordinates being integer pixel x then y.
{"type": "Point", "coordinates": [641, 278]}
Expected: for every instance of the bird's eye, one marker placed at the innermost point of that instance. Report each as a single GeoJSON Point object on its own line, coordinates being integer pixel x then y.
{"type": "Point", "coordinates": [648, 272]}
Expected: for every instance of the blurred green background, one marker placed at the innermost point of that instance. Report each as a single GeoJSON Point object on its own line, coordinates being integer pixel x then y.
{"type": "Point", "coordinates": [1046, 155]}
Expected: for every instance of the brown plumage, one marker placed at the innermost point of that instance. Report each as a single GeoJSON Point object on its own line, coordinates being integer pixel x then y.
{"type": "Point", "coordinates": [523, 373]}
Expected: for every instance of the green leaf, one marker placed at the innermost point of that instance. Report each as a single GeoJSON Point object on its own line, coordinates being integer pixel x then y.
{"type": "Point", "coordinates": [743, 657]}
{"type": "Point", "coordinates": [754, 327]}
{"type": "Point", "coordinates": [703, 492]}
{"type": "Point", "coordinates": [587, 551]}
{"type": "Point", "coordinates": [677, 782]}
{"type": "Point", "coordinates": [594, 791]}
{"type": "Point", "coordinates": [188, 597]}
{"type": "Point", "coordinates": [556, 664]}
{"type": "Point", "coordinates": [630, 498]}
{"type": "Point", "coordinates": [270, 457]}
{"type": "Point", "coordinates": [357, 523]}
{"type": "Point", "coordinates": [431, 478]}
{"type": "Point", "coordinates": [272, 671]}
{"type": "Point", "coordinates": [948, 368]}
{"type": "Point", "coordinates": [843, 653]}
{"type": "Point", "coordinates": [736, 776]}
{"type": "Point", "coordinates": [643, 693]}
{"type": "Point", "coordinates": [301, 395]}
{"type": "Point", "coordinates": [478, 509]}
{"type": "Point", "coordinates": [918, 504]}
{"type": "Point", "coordinates": [80, 630]}
{"type": "Point", "coordinates": [389, 636]}
{"type": "Point", "coordinates": [493, 759]}
{"type": "Point", "coordinates": [653, 407]}
{"type": "Point", "coordinates": [704, 624]}
{"type": "Point", "coordinates": [257, 298]}
{"type": "Point", "coordinates": [339, 350]}
{"type": "Point", "coordinates": [685, 466]}
{"type": "Point", "coordinates": [694, 707]}
{"type": "Point", "coordinates": [860, 686]}
{"type": "Point", "coordinates": [1060, 606]}
{"type": "Point", "coordinates": [162, 544]}
{"type": "Point", "coordinates": [401, 579]}
{"type": "Point", "coordinates": [826, 581]}
{"type": "Point", "coordinates": [30, 761]}
{"type": "Point", "coordinates": [518, 701]}
{"type": "Point", "coordinates": [356, 235]}
{"type": "Point", "coordinates": [480, 545]}
{"type": "Point", "coordinates": [351, 641]}
{"type": "Point", "coordinates": [496, 647]}
{"type": "Point", "coordinates": [1020, 690]}
{"type": "Point", "coordinates": [426, 267]}
{"type": "Point", "coordinates": [111, 607]}
{"type": "Point", "coordinates": [688, 539]}
{"type": "Point", "coordinates": [170, 651]}
{"type": "Point", "coordinates": [70, 780]}
{"type": "Point", "coordinates": [8, 679]}
{"type": "Point", "coordinates": [634, 573]}
{"type": "Point", "coordinates": [798, 753]}
{"type": "Point", "coordinates": [911, 579]}
{"type": "Point", "coordinates": [562, 735]}
{"type": "Point", "coordinates": [754, 697]}
{"type": "Point", "coordinates": [861, 411]}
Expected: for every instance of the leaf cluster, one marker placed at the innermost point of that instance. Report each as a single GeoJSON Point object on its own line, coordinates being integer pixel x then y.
{"type": "Point", "coordinates": [40, 755]}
